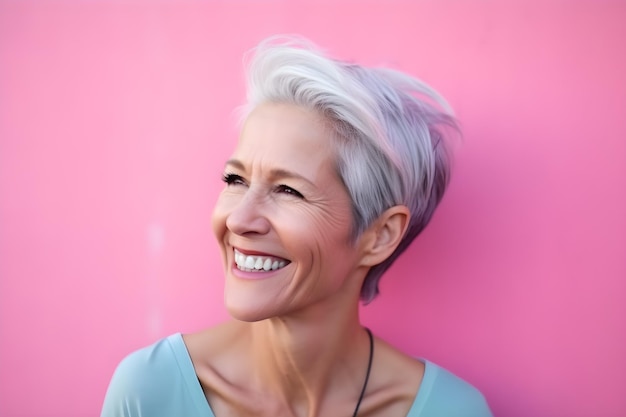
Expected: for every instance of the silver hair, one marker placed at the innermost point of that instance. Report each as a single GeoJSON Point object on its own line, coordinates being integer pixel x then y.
{"type": "Point", "coordinates": [391, 131]}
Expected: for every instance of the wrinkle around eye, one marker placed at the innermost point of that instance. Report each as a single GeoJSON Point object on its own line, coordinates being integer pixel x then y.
{"type": "Point", "coordinates": [327, 206]}
{"type": "Point", "coordinates": [285, 189]}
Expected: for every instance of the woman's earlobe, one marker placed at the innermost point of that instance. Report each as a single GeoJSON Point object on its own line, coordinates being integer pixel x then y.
{"type": "Point", "coordinates": [386, 233]}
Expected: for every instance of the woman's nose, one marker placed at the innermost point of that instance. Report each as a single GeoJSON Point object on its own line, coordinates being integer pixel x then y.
{"type": "Point", "coordinates": [247, 216]}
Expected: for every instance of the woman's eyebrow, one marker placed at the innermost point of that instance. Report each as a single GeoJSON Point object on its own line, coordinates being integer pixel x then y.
{"type": "Point", "coordinates": [235, 163]}
{"type": "Point", "coordinates": [275, 173]}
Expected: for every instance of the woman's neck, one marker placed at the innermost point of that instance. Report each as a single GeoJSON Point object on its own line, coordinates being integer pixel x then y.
{"type": "Point", "coordinates": [309, 358]}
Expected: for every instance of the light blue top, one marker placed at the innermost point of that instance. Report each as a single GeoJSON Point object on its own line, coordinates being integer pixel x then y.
{"type": "Point", "coordinates": [160, 381]}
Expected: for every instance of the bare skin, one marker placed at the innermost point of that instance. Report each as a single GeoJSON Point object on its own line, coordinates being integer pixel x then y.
{"type": "Point", "coordinates": [296, 347]}
{"type": "Point", "coordinates": [262, 369]}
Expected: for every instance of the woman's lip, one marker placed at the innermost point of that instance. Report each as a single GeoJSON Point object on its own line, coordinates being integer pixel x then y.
{"type": "Point", "coordinates": [256, 253]}
{"type": "Point", "coordinates": [248, 275]}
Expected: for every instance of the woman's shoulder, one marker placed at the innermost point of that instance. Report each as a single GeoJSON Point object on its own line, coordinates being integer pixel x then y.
{"type": "Point", "coordinates": [152, 380]}
{"type": "Point", "coordinates": [422, 387]}
{"type": "Point", "coordinates": [443, 393]}
{"type": "Point", "coordinates": [214, 349]}
{"type": "Point", "coordinates": [395, 379]}
{"type": "Point", "coordinates": [152, 364]}
{"type": "Point", "coordinates": [155, 358]}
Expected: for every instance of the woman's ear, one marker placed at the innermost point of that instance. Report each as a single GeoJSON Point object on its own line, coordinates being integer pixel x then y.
{"type": "Point", "coordinates": [384, 235]}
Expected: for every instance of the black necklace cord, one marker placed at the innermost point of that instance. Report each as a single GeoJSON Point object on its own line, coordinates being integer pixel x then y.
{"type": "Point", "coordinates": [367, 375]}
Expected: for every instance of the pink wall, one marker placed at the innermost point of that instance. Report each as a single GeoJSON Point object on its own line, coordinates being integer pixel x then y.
{"type": "Point", "coordinates": [115, 119]}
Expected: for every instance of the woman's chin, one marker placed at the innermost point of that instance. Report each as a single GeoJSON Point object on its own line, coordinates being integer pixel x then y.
{"type": "Point", "coordinates": [245, 310]}
{"type": "Point", "coordinates": [245, 316]}
{"type": "Point", "coordinates": [252, 299]}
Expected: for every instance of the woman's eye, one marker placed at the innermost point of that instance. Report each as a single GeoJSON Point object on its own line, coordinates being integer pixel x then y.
{"type": "Point", "coordinates": [288, 190]}
{"type": "Point", "coordinates": [233, 179]}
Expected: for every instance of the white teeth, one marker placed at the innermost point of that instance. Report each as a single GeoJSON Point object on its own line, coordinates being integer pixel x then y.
{"type": "Point", "coordinates": [257, 263]}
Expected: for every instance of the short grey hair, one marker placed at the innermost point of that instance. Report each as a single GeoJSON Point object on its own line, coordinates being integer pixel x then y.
{"type": "Point", "coordinates": [391, 131]}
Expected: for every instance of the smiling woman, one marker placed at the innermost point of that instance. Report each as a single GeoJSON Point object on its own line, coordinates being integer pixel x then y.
{"type": "Point", "coordinates": [337, 169]}
{"type": "Point", "coordinates": [287, 206]}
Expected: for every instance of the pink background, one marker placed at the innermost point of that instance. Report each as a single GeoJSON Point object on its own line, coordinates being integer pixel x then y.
{"type": "Point", "coordinates": [115, 119]}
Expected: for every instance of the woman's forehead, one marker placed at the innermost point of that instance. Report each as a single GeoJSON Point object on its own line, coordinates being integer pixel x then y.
{"type": "Point", "coordinates": [281, 126]}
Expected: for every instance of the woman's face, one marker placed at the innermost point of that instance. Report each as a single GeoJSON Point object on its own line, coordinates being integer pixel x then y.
{"type": "Point", "coordinates": [284, 219]}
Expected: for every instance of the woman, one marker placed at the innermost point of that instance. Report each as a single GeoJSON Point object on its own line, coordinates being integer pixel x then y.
{"type": "Point", "coordinates": [337, 169]}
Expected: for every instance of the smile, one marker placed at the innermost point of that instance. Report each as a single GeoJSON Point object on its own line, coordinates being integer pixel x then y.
{"type": "Point", "coordinates": [252, 263]}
